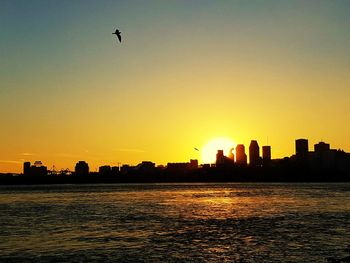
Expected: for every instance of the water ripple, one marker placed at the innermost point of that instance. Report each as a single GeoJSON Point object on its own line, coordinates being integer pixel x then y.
{"type": "Point", "coordinates": [174, 223]}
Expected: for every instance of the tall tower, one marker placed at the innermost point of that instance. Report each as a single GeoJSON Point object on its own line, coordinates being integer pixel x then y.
{"type": "Point", "coordinates": [254, 155]}
{"type": "Point", "coordinates": [241, 157]}
{"type": "Point", "coordinates": [266, 155]}
{"type": "Point", "coordinates": [301, 148]}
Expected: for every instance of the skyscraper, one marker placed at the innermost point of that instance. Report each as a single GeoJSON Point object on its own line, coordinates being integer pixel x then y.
{"type": "Point", "coordinates": [220, 157]}
{"type": "Point", "coordinates": [301, 148]}
{"type": "Point", "coordinates": [266, 155]}
{"type": "Point", "coordinates": [254, 153]}
{"type": "Point", "coordinates": [241, 157]}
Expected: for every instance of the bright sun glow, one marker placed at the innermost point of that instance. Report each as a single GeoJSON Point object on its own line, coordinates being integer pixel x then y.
{"type": "Point", "coordinates": [208, 152]}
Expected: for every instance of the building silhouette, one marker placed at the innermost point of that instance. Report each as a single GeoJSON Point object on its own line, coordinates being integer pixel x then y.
{"type": "Point", "coordinates": [254, 153]}
{"type": "Point", "coordinates": [231, 155]}
{"type": "Point", "coordinates": [266, 155]}
{"type": "Point", "coordinates": [222, 160]}
{"type": "Point", "coordinates": [115, 169]}
{"type": "Point", "coordinates": [193, 164]}
{"type": "Point", "coordinates": [241, 157]}
{"type": "Point", "coordinates": [105, 170]}
{"type": "Point", "coordinates": [26, 168]}
{"type": "Point", "coordinates": [301, 148]}
{"type": "Point", "coordinates": [220, 157]}
{"type": "Point", "coordinates": [81, 168]}
{"type": "Point", "coordinates": [177, 166]}
{"type": "Point", "coordinates": [146, 166]}
{"type": "Point", "coordinates": [321, 147]}
{"type": "Point", "coordinates": [323, 157]}
{"type": "Point", "coordinates": [126, 169]}
{"type": "Point", "coordinates": [38, 169]}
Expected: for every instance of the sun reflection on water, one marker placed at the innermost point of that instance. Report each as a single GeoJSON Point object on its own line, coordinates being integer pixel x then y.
{"type": "Point", "coordinates": [206, 222]}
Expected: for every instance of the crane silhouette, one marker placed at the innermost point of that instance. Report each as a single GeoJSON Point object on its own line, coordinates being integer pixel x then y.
{"type": "Point", "coordinates": [118, 34]}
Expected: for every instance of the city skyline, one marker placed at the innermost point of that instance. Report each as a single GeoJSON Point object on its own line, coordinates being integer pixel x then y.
{"type": "Point", "coordinates": [185, 74]}
{"type": "Point", "coordinates": [322, 164]}
{"type": "Point", "coordinates": [208, 151]}
{"type": "Point", "coordinates": [236, 156]}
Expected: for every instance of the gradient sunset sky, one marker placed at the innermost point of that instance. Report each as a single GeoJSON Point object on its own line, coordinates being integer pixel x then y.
{"type": "Point", "coordinates": [185, 73]}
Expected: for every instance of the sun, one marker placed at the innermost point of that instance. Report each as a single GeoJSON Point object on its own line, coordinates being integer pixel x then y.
{"type": "Point", "coordinates": [208, 152]}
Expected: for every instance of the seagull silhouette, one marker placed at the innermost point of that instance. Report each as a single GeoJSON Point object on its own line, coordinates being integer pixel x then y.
{"type": "Point", "coordinates": [117, 33]}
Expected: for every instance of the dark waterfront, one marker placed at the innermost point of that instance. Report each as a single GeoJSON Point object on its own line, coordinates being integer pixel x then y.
{"type": "Point", "coordinates": [227, 222]}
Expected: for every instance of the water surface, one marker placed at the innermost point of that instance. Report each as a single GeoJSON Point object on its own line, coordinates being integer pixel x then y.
{"type": "Point", "coordinates": [174, 222]}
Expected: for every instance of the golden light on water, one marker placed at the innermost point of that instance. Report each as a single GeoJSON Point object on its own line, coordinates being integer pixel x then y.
{"type": "Point", "coordinates": [209, 150]}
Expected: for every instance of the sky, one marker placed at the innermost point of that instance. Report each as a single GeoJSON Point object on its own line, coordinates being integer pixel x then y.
{"type": "Point", "coordinates": [186, 72]}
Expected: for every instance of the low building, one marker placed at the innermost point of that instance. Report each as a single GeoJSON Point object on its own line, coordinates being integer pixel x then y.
{"type": "Point", "coordinates": [105, 170]}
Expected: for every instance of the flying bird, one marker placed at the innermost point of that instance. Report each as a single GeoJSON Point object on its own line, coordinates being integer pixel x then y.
{"type": "Point", "coordinates": [196, 149]}
{"type": "Point", "coordinates": [118, 34]}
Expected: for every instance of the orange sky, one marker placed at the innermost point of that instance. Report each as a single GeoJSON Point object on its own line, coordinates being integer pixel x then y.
{"type": "Point", "coordinates": [184, 74]}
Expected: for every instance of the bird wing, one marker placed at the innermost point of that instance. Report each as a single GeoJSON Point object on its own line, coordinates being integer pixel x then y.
{"type": "Point", "coordinates": [119, 37]}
